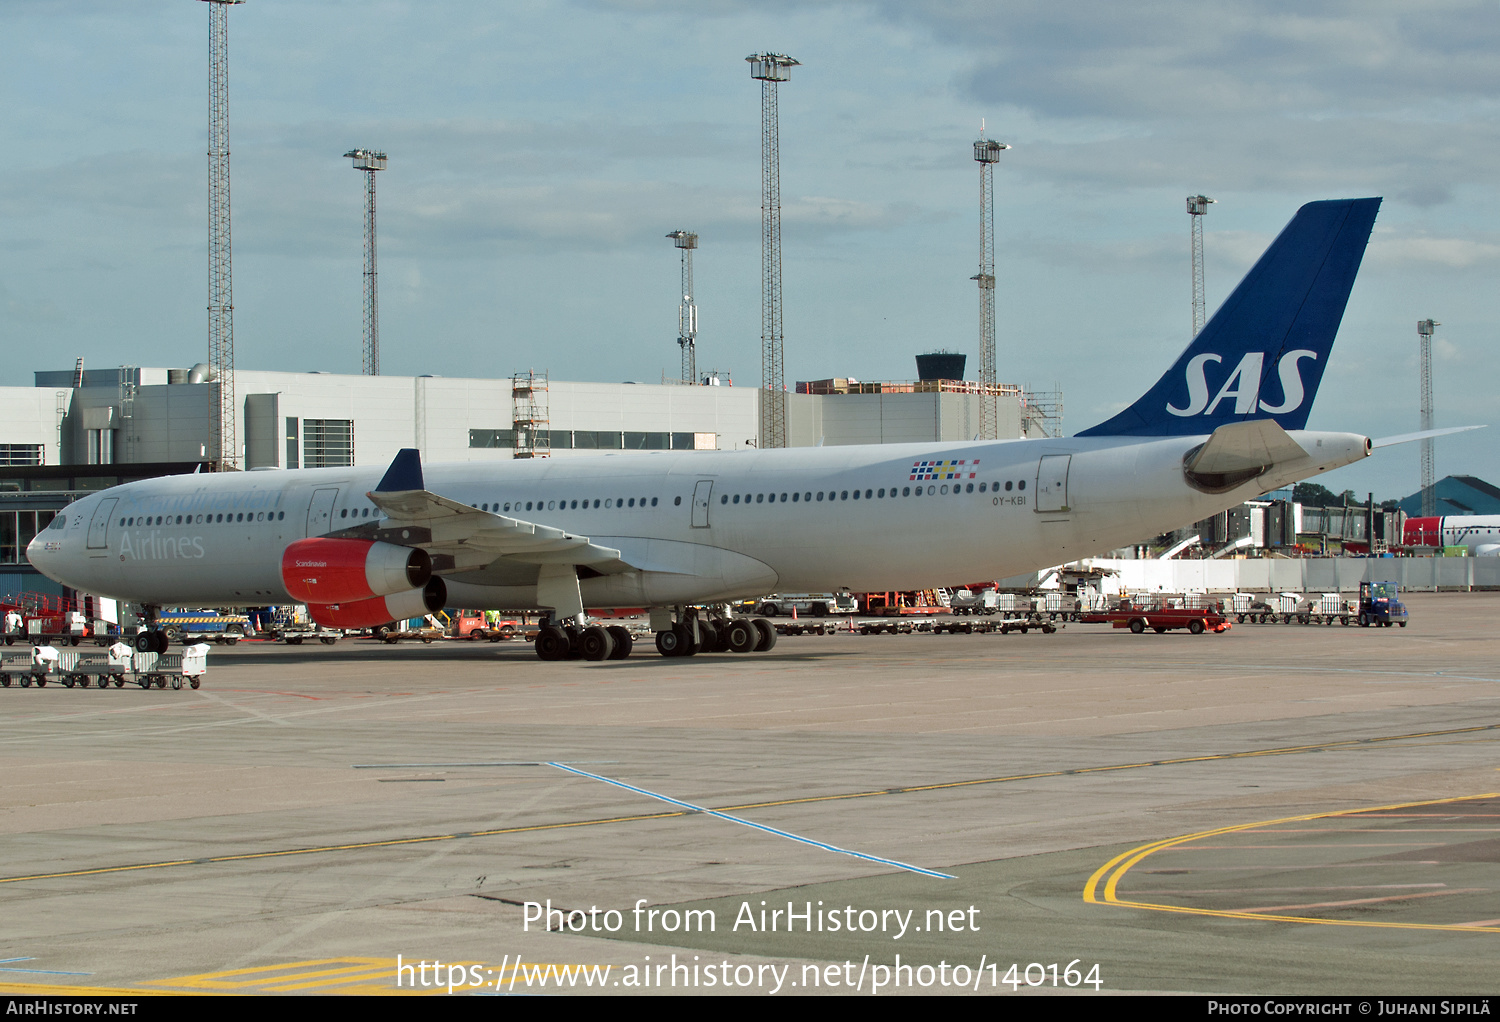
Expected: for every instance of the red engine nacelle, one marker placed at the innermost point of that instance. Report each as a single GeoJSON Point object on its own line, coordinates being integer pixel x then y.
{"type": "Point", "coordinates": [382, 609]}
{"type": "Point", "coordinates": [327, 571]}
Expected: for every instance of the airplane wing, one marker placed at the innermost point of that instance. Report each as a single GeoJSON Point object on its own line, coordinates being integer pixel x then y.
{"type": "Point", "coordinates": [463, 538]}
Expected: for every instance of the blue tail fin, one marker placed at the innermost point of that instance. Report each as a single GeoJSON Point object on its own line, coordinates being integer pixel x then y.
{"type": "Point", "coordinates": [1263, 354]}
{"type": "Point", "coordinates": [404, 474]}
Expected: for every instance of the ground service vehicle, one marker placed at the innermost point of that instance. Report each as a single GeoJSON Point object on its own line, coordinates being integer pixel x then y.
{"type": "Point", "coordinates": [1378, 605]}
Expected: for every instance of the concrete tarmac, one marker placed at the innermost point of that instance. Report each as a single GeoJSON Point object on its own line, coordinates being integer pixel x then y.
{"type": "Point", "coordinates": [1279, 809]}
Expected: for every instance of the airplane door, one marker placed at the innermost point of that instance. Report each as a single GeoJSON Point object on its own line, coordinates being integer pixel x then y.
{"type": "Point", "coordinates": [1052, 482]}
{"type": "Point", "coordinates": [99, 524]}
{"type": "Point", "coordinates": [701, 494]}
{"type": "Point", "coordinates": [320, 512]}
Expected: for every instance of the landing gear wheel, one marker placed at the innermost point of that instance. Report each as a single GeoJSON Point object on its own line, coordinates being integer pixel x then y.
{"type": "Point", "coordinates": [596, 643]}
{"type": "Point", "coordinates": [767, 635]}
{"type": "Point", "coordinates": [742, 635]}
{"type": "Point", "coordinates": [708, 637]}
{"type": "Point", "coordinates": [624, 641]}
{"type": "Point", "coordinates": [552, 643]}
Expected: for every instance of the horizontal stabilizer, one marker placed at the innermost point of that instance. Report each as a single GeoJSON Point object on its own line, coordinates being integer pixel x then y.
{"type": "Point", "coordinates": [1241, 446]}
{"type": "Point", "coordinates": [1406, 438]}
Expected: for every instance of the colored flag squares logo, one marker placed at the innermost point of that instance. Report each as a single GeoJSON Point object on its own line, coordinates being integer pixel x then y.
{"type": "Point", "coordinates": [921, 471]}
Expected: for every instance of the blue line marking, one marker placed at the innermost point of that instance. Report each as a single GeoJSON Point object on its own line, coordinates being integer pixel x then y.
{"type": "Point", "coordinates": [7, 961]}
{"type": "Point", "coordinates": [45, 972]}
{"type": "Point", "coordinates": [752, 823]}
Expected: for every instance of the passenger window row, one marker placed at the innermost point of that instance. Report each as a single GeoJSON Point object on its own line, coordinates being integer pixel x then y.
{"type": "Point", "coordinates": [214, 519]}
{"type": "Point", "coordinates": [570, 505]}
{"type": "Point", "coordinates": [934, 490]}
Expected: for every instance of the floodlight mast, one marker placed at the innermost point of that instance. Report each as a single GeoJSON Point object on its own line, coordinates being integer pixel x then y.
{"type": "Point", "coordinates": [770, 69]}
{"type": "Point", "coordinates": [687, 310]}
{"type": "Point", "coordinates": [1197, 207]}
{"type": "Point", "coordinates": [370, 161]}
{"type": "Point", "coordinates": [222, 440]}
{"type": "Point", "coordinates": [987, 154]}
{"type": "Point", "coordinates": [1429, 468]}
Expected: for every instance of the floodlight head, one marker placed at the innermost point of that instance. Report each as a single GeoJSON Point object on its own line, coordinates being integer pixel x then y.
{"type": "Point", "coordinates": [1424, 327]}
{"type": "Point", "coordinates": [1197, 205]}
{"type": "Point", "coordinates": [988, 151]}
{"type": "Point", "coordinates": [367, 159]}
{"type": "Point", "coordinates": [684, 239]}
{"type": "Point", "coordinates": [771, 67]}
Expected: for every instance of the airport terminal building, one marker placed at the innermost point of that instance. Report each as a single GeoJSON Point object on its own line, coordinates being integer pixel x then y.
{"type": "Point", "coordinates": [77, 431]}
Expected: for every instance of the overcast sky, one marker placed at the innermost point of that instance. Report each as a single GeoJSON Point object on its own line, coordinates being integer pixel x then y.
{"type": "Point", "coordinates": [541, 149]}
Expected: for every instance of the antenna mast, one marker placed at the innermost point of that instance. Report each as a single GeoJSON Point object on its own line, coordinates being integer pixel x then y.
{"type": "Point", "coordinates": [770, 69]}
{"type": "Point", "coordinates": [224, 445]}
{"type": "Point", "coordinates": [1429, 473]}
{"type": "Point", "coordinates": [687, 310]}
{"type": "Point", "coordinates": [987, 154]}
{"type": "Point", "coordinates": [1197, 206]}
{"type": "Point", "coordinates": [369, 161]}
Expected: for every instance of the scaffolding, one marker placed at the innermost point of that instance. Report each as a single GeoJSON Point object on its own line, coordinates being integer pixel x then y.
{"type": "Point", "coordinates": [528, 392]}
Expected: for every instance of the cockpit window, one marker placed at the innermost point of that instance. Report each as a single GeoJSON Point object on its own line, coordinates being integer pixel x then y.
{"type": "Point", "coordinates": [59, 523]}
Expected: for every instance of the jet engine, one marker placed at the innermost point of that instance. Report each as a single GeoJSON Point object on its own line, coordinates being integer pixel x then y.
{"type": "Point", "coordinates": [382, 609]}
{"type": "Point", "coordinates": [328, 571]}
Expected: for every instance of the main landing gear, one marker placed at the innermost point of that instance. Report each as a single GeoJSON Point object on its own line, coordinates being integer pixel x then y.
{"type": "Point", "coordinates": [572, 641]}
{"type": "Point", "coordinates": [691, 635]}
{"type": "Point", "coordinates": [687, 635]}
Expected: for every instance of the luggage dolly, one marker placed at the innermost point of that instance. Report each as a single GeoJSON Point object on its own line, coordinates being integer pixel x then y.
{"type": "Point", "coordinates": [76, 667]}
{"type": "Point", "coordinates": [157, 668]}
{"type": "Point", "coordinates": [23, 667]}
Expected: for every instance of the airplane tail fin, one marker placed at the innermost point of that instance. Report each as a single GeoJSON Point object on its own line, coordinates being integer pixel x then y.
{"type": "Point", "coordinates": [1263, 354]}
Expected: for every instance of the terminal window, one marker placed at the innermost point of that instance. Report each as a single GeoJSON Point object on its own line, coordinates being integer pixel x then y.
{"type": "Point", "coordinates": [20, 454]}
{"type": "Point", "coordinates": [327, 443]}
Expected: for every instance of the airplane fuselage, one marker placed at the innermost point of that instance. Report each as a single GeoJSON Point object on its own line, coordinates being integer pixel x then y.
{"type": "Point", "coordinates": [696, 527]}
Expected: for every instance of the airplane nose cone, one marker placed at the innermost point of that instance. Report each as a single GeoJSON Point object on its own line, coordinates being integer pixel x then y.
{"type": "Point", "coordinates": [36, 553]}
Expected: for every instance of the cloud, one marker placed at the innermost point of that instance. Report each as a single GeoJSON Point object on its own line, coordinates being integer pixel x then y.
{"type": "Point", "coordinates": [1403, 249]}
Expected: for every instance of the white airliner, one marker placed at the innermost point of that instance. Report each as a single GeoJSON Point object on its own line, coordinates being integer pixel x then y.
{"type": "Point", "coordinates": [676, 531]}
{"type": "Point", "coordinates": [1480, 533]}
